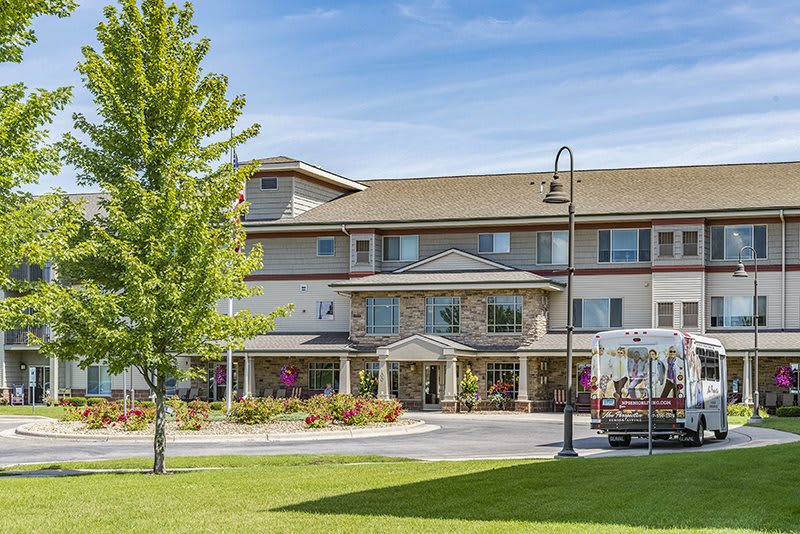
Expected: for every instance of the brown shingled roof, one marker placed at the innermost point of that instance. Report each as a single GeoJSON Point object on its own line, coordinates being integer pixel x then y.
{"type": "Point", "coordinates": [604, 191]}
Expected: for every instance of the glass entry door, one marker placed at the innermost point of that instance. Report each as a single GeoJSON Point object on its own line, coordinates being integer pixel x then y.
{"type": "Point", "coordinates": [42, 383]}
{"type": "Point", "coordinates": [432, 386]}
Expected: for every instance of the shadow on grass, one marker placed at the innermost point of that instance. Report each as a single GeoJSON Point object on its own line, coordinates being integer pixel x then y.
{"type": "Point", "coordinates": [746, 488]}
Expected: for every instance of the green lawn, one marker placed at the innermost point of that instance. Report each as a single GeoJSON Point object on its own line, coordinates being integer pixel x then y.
{"type": "Point", "coordinates": [47, 411]}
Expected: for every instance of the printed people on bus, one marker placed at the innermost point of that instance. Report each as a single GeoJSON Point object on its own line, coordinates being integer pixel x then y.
{"type": "Point", "coordinates": [672, 371]}
{"type": "Point", "coordinates": [604, 369]}
{"type": "Point", "coordinates": [619, 371]}
{"type": "Point", "coordinates": [659, 371]}
{"type": "Point", "coordinates": [636, 373]}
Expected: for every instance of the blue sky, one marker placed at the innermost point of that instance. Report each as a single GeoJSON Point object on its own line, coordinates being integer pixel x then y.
{"type": "Point", "coordinates": [426, 88]}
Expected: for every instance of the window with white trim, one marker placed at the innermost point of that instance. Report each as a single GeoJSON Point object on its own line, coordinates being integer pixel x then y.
{"type": "Point", "coordinates": [443, 315]}
{"type": "Point", "coordinates": [326, 246]}
{"type": "Point", "coordinates": [401, 248]}
{"type": "Point", "coordinates": [728, 241]}
{"type": "Point", "coordinates": [504, 314]}
{"type": "Point", "coordinates": [373, 369]}
{"type": "Point", "coordinates": [666, 244]}
{"type": "Point", "coordinates": [363, 251]}
{"type": "Point", "coordinates": [623, 245]}
{"type": "Point", "coordinates": [269, 184]}
{"type": "Point", "coordinates": [325, 310]}
{"type": "Point", "coordinates": [98, 380]}
{"type": "Point", "coordinates": [383, 316]}
{"type": "Point", "coordinates": [507, 372]}
{"type": "Point", "coordinates": [737, 311]}
{"type": "Point", "coordinates": [690, 243]}
{"type": "Point", "coordinates": [552, 248]}
{"type": "Point", "coordinates": [499, 243]}
{"type": "Point", "coordinates": [597, 313]}
{"type": "Point", "coordinates": [321, 375]}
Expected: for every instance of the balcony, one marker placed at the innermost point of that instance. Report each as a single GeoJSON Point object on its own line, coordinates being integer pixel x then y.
{"type": "Point", "coordinates": [20, 336]}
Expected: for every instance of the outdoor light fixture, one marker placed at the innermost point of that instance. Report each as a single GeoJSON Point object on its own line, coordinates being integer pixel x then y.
{"type": "Point", "coordinates": [557, 195]}
{"type": "Point", "coordinates": [742, 273]}
{"type": "Point", "coordinates": [22, 367]}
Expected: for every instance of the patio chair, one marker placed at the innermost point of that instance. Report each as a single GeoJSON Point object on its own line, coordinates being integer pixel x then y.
{"type": "Point", "coordinates": [583, 404]}
{"type": "Point", "coordinates": [267, 392]}
{"type": "Point", "coordinates": [771, 402]}
{"type": "Point", "coordinates": [559, 399]}
{"type": "Point", "coordinates": [787, 399]}
{"type": "Point", "coordinates": [281, 394]}
{"type": "Point", "coordinates": [296, 392]}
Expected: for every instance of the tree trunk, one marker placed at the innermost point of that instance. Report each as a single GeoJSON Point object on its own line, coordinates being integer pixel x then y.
{"type": "Point", "coordinates": [160, 438]}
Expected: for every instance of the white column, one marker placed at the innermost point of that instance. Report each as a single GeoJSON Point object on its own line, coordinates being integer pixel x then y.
{"type": "Point", "coordinates": [344, 375]}
{"type": "Point", "coordinates": [383, 375]}
{"type": "Point", "coordinates": [522, 387]}
{"type": "Point", "coordinates": [54, 380]}
{"type": "Point", "coordinates": [450, 380]}
{"type": "Point", "coordinates": [247, 374]}
{"type": "Point", "coordinates": [748, 386]}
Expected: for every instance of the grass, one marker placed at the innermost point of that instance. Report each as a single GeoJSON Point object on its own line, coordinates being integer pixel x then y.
{"type": "Point", "coordinates": [47, 411]}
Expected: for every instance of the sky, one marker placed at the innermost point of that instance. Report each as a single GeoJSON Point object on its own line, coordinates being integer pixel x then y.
{"type": "Point", "coordinates": [430, 88]}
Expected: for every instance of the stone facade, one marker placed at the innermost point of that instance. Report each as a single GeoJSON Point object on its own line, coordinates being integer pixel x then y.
{"type": "Point", "coordinates": [473, 315]}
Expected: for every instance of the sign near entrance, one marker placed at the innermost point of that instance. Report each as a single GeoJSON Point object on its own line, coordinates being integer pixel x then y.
{"type": "Point", "coordinates": [32, 376]}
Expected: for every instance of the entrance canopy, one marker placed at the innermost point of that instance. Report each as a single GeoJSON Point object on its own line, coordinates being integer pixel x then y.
{"type": "Point", "coordinates": [424, 347]}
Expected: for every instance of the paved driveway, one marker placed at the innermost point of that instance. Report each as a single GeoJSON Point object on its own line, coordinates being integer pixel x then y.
{"type": "Point", "coordinates": [460, 436]}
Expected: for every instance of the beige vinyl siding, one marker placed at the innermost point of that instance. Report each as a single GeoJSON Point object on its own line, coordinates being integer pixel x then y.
{"type": "Point", "coordinates": [453, 262]}
{"type": "Point", "coordinates": [304, 319]}
{"type": "Point", "coordinates": [375, 251]}
{"type": "Point", "coordinates": [725, 285]}
{"type": "Point", "coordinates": [309, 194]}
{"type": "Point", "coordinates": [271, 204]}
{"type": "Point", "coordinates": [678, 258]}
{"type": "Point", "coordinates": [636, 302]}
{"type": "Point", "coordinates": [792, 242]}
{"type": "Point", "coordinates": [792, 299]}
{"type": "Point", "coordinates": [80, 378]}
{"type": "Point", "coordinates": [298, 255]}
{"type": "Point", "coordinates": [679, 287]}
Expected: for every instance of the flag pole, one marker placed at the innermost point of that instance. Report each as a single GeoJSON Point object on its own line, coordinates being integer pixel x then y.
{"type": "Point", "coordinates": [229, 373]}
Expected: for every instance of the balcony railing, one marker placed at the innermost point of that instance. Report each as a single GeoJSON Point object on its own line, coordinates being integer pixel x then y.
{"type": "Point", "coordinates": [20, 336]}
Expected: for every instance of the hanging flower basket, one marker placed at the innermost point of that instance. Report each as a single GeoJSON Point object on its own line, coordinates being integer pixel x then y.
{"type": "Point", "coordinates": [585, 377]}
{"type": "Point", "coordinates": [785, 377]}
{"type": "Point", "coordinates": [288, 375]}
{"type": "Point", "coordinates": [220, 375]}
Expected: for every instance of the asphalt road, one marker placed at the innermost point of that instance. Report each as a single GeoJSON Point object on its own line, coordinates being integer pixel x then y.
{"type": "Point", "coordinates": [459, 437]}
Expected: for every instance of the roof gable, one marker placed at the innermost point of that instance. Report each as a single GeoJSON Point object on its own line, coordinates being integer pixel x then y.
{"type": "Point", "coordinates": [454, 260]}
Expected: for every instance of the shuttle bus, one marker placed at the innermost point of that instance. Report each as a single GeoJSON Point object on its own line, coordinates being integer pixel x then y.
{"type": "Point", "coordinates": [688, 384]}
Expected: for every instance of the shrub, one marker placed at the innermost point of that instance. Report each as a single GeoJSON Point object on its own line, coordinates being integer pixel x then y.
{"type": "Point", "coordinates": [101, 415]}
{"type": "Point", "coordinates": [293, 405]}
{"type": "Point", "coordinates": [217, 406]}
{"type": "Point", "coordinates": [500, 395]}
{"type": "Point", "coordinates": [71, 413]}
{"type": "Point", "coordinates": [136, 420]}
{"type": "Point", "coordinates": [367, 385]}
{"type": "Point", "coordinates": [317, 421]}
{"type": "Point", "coordinates": [469, 395]}
{"type": "Point", "coordinates": [192, 419]}
{"type": "Point", "coordinates": [145, 405]}
{"type": "Point", "coordinates": [255, 411]}
{"type": "Point", "coordinates": [95, 401]}
{"type": "Point", "coordinates": [742, 410]}
{"type": "Point", "coordinates": [350, 411]}
{"type": "Point", "coordinates": [73, 401]}
{"type": "Point", "coordinates": [175, 403]}
{"type": "Point", "coordinates": [788, 411]}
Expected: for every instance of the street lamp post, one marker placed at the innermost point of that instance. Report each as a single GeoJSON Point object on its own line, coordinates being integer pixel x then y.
{"type": "Point", "coordinates": [556, 195]}
{"type": "Point", "coordinates": [741, 273]}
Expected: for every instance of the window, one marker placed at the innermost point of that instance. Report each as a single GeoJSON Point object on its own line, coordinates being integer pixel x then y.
{"type": "Point", "coordinates": [551, 248]}
{"type": "Point", "coordinates": [373, 369]}
{"type": "Point", "coordinates": [502, 372]}
{"type": "Point", "coordinates": [690, 243]}
{"type": "Point", "coordinates": [504, 315]}
{"type": "Point", "coordinates": [597, 313]}
{"type": "Point", "coordinates": [401, 248]}
{"type": "Point", "coordinates": [321, 374]}
{"type": "Point", "coordinates": [727, 241]}
{"type": "Point", "coordinates": [325, 246]}
{"type": "Point", "coordinates": [690, 315]}
{"type": "Point", "coordinates": [325, 310]}
{"type": "Point", "coordinates": [268, 184]}
{"type": "Point", "coordinates": [383, 316]}
{"type": "Point", "coordinates": [494, 243]}
{"type": "Point", "coordinates": [665, 310]}
{"type": "Point", "coordinates": [362, 251]}
{"type": "Point", "coordinates": [98, 381]}
{"type": "Point", "coordinates": [737, 311]}
{"type": "Point", "coordinates": [666, 241]}
{"type": "Point", "coordinates": [443, 315]}
{"type": "Point", "coordinates": [623, 246]}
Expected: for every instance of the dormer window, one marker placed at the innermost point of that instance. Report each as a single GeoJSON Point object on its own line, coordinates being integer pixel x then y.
{"type": "Point", "coordinates": [269, 184]}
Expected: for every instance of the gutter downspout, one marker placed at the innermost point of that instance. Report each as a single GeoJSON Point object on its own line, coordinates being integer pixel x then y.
{"type": "Point", "coordinates": [783, 271]}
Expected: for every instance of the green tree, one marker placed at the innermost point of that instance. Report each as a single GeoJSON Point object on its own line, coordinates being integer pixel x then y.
{"type": "Point", "coordinates": [25, 155]}
{"type": "Point", "coordinates": [145, 276]}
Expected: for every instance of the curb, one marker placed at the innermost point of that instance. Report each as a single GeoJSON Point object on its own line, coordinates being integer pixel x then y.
{"type": "Point", "coordinates": [420, 427]}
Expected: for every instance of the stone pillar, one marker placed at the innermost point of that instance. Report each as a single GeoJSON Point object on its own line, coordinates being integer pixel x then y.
{"type": "Point", "coordinates": [54, 380]}
{"type": "Point", "coordinates": [383, 375]}
{"type": "Point", "coordinates": [450, 380]}
{"type": "Point", "coordinates": [344, 375]}
{"type": "Point", "coordinates": [522, 388]}
{"type": "Point", "coordinates": [748, 384]}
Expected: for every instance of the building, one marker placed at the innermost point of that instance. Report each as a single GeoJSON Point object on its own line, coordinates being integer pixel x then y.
{"type": "Point", "coordinates": [421, 278]}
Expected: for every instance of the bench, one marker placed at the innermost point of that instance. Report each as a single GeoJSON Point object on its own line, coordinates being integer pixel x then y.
{"type": "Point", "coordinates": [559, 399]}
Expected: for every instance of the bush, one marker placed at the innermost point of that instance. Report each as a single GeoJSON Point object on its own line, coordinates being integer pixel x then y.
{"type": "Point", "coordinates": [367, 385]}
{"type": "Point", "coordinates": [191, 418]}
{"type": "Point", "coordinates": [71, 413]}
{"type": "Point", "coordinates": [96, 401]}
{"type": "Point", "coordinates": [145, 405]}
{"type": "Point", "coordinates": [350, 411]}
{"type": "Point", "coordinates": [293, 405]}
{"type": "Point", "coordinates": [136, 420]}
{"type": "Point", "coordinates": [255, 411]}
{"type": "Point", "coordinates": [788, 411]}
{"type": "Point", "coordinates": [175, 403]}
{"type": "Point", "coordinates": [469, 395]}
{"type": "Point", "coordinates": [217, 406]}
{"type": "Point", "coordinates": [101, 415]}
{"type": "Point", "coordinates": [742, 410]}
{"type": "Point", "coordinates": [73, 401]}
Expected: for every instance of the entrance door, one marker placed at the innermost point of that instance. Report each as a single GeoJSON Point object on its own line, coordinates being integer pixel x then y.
{"type": "Point", "coordinates": [432, 386]}
{"type": "Point", "coordinates": [42, 383]}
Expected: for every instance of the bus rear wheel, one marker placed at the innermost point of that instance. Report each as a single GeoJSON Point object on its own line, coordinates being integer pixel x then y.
{"type": "Point", "coordinates": [619, 441]}
{"type": "Point", "coordinates": [719, 434]}
{"type": "Point", "coordinates": [698, 438]}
